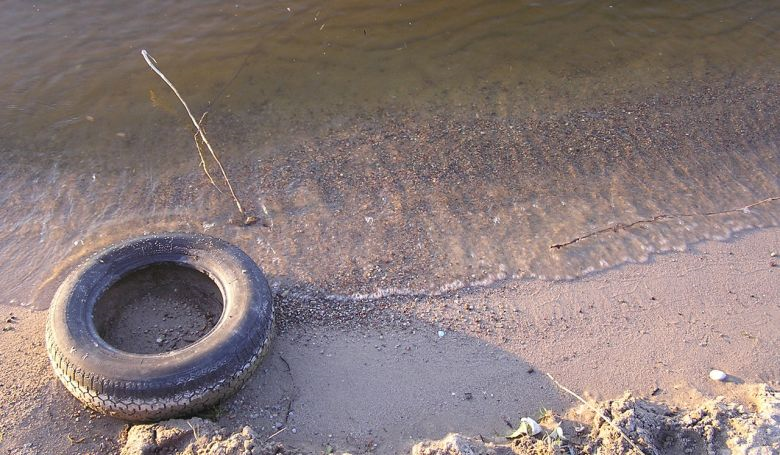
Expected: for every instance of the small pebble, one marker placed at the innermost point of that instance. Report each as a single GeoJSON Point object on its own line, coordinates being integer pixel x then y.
{"type": "Point", "coordinates": [717, 375]}
{"type": "Point", "coordinates": [440, 333]}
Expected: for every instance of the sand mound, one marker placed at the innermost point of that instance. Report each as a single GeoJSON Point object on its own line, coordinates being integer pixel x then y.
{"type": "Point", "coordinates": [194, 437]}
{"type": "Point", "coordinates": [714, 427]}
{"type": "Point", "coordinates": [457, 444]}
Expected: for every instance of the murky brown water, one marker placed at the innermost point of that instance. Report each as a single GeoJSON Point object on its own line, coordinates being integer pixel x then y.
{"type": "Point", "coordinates": [400, 148]}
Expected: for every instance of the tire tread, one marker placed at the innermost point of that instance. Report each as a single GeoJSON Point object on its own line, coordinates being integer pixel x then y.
{"type": "Point", "coordinates": [102, 394]}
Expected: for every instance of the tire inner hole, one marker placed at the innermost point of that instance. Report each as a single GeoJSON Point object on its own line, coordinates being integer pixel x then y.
{"type": "Point", "coordinates": [159, 308]}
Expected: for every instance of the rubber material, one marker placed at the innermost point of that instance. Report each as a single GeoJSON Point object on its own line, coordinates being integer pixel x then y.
{"type": "Point", "coordinates": [146, 387]}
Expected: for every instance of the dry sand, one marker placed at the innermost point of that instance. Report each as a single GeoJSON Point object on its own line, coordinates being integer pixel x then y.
{"type": "Point", "coordinates": [378, 377]}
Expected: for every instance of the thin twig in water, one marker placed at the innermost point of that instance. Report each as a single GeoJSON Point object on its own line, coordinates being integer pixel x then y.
{"type": "Point", "coordinates": [235, 76]}
{"type": "Point", "coordinates": [149, 61]}
{"type": "Point", "coordinates": [598, 413]}
{"type": "Point", "coordinates": [202, 158]}
{"type": "Point", "coordinates": [623, 226]}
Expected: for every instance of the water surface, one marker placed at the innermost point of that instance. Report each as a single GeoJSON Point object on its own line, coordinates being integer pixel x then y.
{"type": "Point", "coordinates": [398, 148]}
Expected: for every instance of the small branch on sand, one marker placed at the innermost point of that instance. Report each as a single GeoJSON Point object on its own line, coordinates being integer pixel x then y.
{"type": "Point", "coordinates": [623, 226]}
{"type": "Point", "coordinates": [290, 399]}
{"type": "Point", "coordinates": [598, 413]}
{"type": "Point", "coordinates": [200, 135]}
{"type": "Point", "coordinates": [270, 437]}
{"type": "Point", "coordinates": [194, 431]}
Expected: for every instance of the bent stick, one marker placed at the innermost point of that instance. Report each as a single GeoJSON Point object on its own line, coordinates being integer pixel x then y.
{"type": "Point", "coordinates": [149, 59]}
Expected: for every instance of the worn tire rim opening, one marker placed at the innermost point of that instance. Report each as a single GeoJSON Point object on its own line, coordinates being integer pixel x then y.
{"type": "Point", "coordinates": [158, 308]}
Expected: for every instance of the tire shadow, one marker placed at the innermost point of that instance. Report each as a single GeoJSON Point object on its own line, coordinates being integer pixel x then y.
{"type": "Point", "coordinates": [364, 389]}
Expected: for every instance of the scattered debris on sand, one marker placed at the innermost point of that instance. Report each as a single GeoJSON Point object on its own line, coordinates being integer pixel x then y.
{"type": "Point", "coordinates": [714, 427]}
{"type": "Point", "coordinates": [195, 436]}
{"type": "Point", "coordinates": [454, 444]}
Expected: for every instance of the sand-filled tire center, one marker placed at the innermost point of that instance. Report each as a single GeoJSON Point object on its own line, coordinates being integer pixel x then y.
{"type": "Point", "coordinates": [146, 387]}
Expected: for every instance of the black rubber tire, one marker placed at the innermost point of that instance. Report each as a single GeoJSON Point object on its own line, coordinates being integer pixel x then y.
{"type": "Point", "coordinates": [147, 387]}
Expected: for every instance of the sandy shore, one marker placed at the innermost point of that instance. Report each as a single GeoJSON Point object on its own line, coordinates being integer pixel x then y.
{"type": "Point", "coordinates": [387, 374]}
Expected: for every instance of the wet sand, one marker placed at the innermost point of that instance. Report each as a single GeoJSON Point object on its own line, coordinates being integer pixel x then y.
{"type": "Point", "coordinates": [376, 376]}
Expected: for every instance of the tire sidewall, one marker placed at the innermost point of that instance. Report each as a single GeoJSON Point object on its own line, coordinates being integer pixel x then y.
{"type": "Point", "coordinates": [244, 325]}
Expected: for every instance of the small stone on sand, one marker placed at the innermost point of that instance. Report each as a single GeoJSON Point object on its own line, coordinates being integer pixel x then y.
{"type": "Point", "coordinates": [717, 375]}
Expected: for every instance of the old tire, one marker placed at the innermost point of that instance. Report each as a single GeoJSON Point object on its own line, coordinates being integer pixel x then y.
{"type": "Point", "coordinates": [146, 387]}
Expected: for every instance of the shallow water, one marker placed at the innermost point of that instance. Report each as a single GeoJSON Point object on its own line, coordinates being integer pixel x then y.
{"type": "Point", "coordinates": [405, 148]}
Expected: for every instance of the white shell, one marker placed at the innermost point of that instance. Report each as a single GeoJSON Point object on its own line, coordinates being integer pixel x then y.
{"type": "Point", "coordinates": [557, 434]}
{"type": "Point", "coordinates": [717, 375]}
{"type": "Point", "coordinates": [533, 428]}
